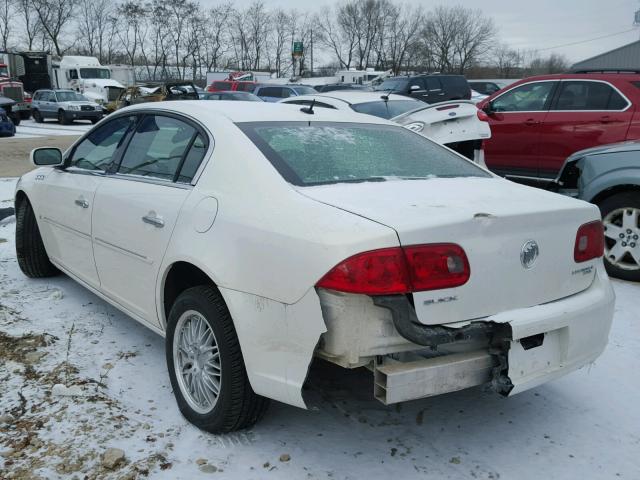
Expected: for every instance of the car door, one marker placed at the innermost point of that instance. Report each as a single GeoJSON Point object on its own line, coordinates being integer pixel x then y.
{"type": "Point", "coordinates": [516, 119]}
{"type": "Point", "coordinates": [47, 105]}
{"type": "Point", "coordinates": [584, 114]}
{"type": "Point", "coordinates": [136, 208]}
{"type": "Point", "coordinates": [70, 192]}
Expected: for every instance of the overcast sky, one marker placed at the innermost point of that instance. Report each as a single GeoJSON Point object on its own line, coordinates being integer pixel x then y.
{"type": "Point", "coordinates": [536, 24]}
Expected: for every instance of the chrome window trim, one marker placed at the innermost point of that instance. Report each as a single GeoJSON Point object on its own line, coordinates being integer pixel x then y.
{"type": "Point", "coordinates": [203, 164]}
{"type": "Point", "coordinates": [560, 80]}
{"type": "Point", "coordinates": [152, 180]}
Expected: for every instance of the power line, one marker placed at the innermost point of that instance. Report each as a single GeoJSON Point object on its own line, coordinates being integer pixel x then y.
{"type": "Point", "coordinates": [585, 41]}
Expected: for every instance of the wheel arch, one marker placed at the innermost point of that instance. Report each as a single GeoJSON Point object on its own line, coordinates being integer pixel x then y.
{"type": "Point", "coordinates": [20, 198]}
{"type": "Point", "coordinates": [178, 277]}
{"type": "Point", "coordinates": [609, 192]}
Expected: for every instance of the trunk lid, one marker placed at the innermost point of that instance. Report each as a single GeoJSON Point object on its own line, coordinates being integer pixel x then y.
{"type": "Point", "coordinates": [492, 220]}
{"type": "Point", "coordinates": [446, 122]}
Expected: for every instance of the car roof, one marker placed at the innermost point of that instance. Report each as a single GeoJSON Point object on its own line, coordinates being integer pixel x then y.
{"type": "Point", "coordinates": [238, 112]}
{"type": "Point", "coordinates": [610, 77]}
{"type": "Point", "coordinates": [355, 96]}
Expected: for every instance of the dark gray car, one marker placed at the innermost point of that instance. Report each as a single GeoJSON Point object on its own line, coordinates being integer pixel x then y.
{"type": "Point", "coordinates": [609, 176]}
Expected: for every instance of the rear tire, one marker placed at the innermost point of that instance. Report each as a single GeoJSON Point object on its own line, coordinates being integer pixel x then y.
{"type": "Point", "coordinates": [32, 256]}
{"type": "Point", "coordinates": [37, 116]}
{"type": "Point", "coordinates": [621, 214]}
{"type": "Point", "coordinates": [15, 118]}
{"type": "Point", "coordinates": [236, 405]}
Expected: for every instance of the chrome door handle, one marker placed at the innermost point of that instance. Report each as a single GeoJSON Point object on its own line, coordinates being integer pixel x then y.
{"type": "Point", "coordinates": [153, 220]}
{"type": "Point", "coordinates": [81, 202]}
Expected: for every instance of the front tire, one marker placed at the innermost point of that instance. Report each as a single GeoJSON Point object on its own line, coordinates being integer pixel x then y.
{"type": "Point", "coordinates": [32, 256]}
{"type": "Point", "coordinates": [206, 367]}
{"type": "Point", "coordinates": [62, 118]}
{"type": "Point", "coordinates": [621, 219]}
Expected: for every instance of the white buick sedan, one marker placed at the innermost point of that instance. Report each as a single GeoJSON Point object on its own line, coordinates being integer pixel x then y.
{"type": "Point", "coordinates": [255, 237]}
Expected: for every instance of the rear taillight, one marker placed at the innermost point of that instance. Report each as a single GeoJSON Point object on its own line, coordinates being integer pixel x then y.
{"type": "Point", "coordinates": [589, 242]}
{"type": "Point", "coordinates": [482, 116]}
{"type": "Point", "coordinates": [398, 270]}
{"type": "Point", "coordinates": [432, 267]}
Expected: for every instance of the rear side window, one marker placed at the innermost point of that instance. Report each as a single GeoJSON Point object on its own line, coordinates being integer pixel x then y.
{"type": "Point", "coordinates": [276, 92]}
{"type": "Point", "coordinates": [326, 153]}
{"type": "Point", "coordinates": [157, 147]}
{"type": "Point", "coordinates": [245, 87]}
{"type": "Point", "coordinates": [433, 83]}
{"type": "Point", "coordinates": [585, 95]}
{"type": "Point", "coordinates": [193, 160]}
{"type": "Point", "coordinates": [97, 150]}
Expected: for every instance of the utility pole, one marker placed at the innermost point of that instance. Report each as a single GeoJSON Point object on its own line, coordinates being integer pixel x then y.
{"type": "Point", "coordinates": [311, 52]}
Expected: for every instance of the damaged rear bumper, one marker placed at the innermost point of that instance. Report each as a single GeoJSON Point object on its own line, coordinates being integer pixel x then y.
{"type": "Point", "coordinates": [575, 330]}
{"type": "Point", "coordinates": [514, 350]}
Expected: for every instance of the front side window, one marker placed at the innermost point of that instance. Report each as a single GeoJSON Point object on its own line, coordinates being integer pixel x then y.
{"type": "Point", "coordinates": [387, 109]}
{"type": "Point", "coordinates": [73, 74]}
{"type": "Point", "coordinates": [157, 147]}
{"type": "Point", "coordinates": [97, 150]}
{"type": "Point", "coordinates": [588, 96]}
{"type": "Point", "coordinates": [531, 97]}
{"type": "Point", "coordinates": [326, 153]}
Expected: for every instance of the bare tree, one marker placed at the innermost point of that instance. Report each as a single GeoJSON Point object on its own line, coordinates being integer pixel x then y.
{"type": "Point", "coordinates": [337, 33]}
{"type": "Point", "coordinates": [130, 17]}
{"type": "Point", "coordinates": [282, 30]}
{"type": "Point", "coordinates": [7, 11]}
{"type": "Point", "coordinates": [216, 38]}
{"type": "Point", "coordinates": [93, 24]}
{"type": "Point", "coordinates": [400, 35]}
{"type": "Point", "coordinates": [54, 16]}
{"type": "Point", "coordinates": [32, 30]}
{"type": "Point", "coordinates": [507, 60]}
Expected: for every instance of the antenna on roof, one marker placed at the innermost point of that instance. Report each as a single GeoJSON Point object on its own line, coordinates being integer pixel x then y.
{"type": "Point", "coordinates": [309, 109]}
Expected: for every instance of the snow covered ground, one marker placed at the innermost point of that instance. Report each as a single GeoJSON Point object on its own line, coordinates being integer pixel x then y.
{"type": "Point", "coordinates": [52, 331]}
{"type": "Point", "coordinates": [30, 129]}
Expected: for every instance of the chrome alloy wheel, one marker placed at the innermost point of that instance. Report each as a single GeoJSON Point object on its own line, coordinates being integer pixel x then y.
{"type": "Point", "coordinates": [196, 361]}
{"type": "Point", "coordinates": [622, 238]}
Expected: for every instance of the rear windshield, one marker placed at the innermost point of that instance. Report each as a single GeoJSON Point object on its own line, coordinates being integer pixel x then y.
{"type": "Point", "coordinates": [304, 90]}
{"type": "Point", "coordinates": [246, 86]}
{"type": "Point", "coordinates": [327, 153]}
{"type": "Point", "coordinates": [388, 109]}
{"type": "Point", "coordinates": [394, 85]}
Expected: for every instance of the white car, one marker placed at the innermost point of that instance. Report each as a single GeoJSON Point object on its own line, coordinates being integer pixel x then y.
{"type": "Point", "coordinates": [257, 236]}
{"type": "Point", "coordinates": [457, 124]}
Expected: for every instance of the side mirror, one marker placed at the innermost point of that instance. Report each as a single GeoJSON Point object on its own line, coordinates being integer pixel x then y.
{"type": "Point", "coordinates": [46, 157]}
{"type": "Point", "coordinates": [487, 108]}
{"type": "Point", "coordinates": [414, 88]}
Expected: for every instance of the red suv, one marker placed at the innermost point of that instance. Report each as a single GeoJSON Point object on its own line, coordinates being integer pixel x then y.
{"type": "Point", "coordinates": [536, 123]}
{"type": "Point", "coordinates": [229, 85]}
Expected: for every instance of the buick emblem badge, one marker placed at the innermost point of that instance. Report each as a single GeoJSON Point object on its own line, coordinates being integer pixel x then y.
{"type": "Point", "coordinates": [529, 254]}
